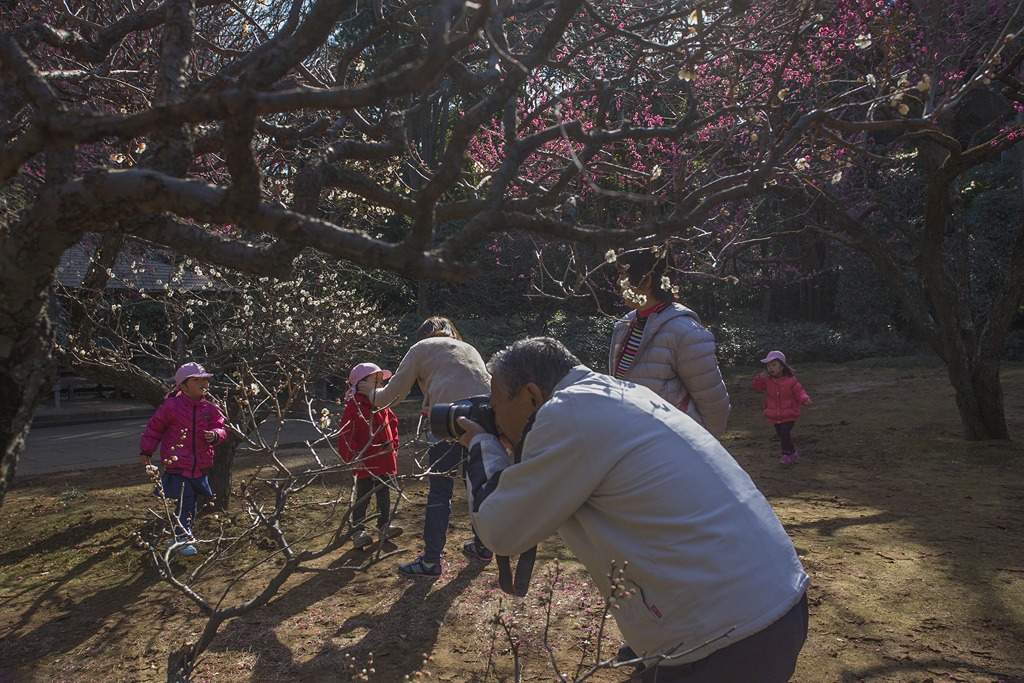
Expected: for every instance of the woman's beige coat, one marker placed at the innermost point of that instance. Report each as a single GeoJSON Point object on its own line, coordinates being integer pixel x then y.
{"type": "Point", "coordinates": [676, 360]}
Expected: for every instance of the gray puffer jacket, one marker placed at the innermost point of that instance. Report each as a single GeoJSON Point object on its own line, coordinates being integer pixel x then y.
{"type": "Point", "coordinates": [676, 360]}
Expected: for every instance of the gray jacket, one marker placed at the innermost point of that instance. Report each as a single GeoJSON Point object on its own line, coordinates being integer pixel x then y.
{"type": "Point", "coordinates": [676, 360]}
{"type": "Point", "coordinates": [623, 476]}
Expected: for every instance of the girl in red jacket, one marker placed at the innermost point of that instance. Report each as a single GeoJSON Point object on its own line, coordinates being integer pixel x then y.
{"type": "Point", "coordinates": [186, 427]}
{"type": "Point", "coordinates": [369, 441]}
{"type": "Point", "coordinates": [783, 400]}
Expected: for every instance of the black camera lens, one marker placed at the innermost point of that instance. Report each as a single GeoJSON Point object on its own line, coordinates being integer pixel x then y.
{"type": "Point", "coordinates": [444, 417]}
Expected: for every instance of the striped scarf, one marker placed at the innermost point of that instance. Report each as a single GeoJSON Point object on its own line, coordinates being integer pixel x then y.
{"type": "Point", "coordinates": [632, 344]}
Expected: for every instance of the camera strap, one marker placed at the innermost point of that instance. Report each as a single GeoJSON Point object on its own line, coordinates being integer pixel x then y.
{"type": "Point", "coordinates": [524, 570]}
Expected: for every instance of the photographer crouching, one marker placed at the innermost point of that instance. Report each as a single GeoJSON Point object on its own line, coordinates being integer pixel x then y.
{"type": "Point", "coordinates": [717, 592]}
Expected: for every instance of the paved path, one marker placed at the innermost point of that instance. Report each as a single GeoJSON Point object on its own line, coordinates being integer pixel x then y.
{"type": "Point", "coordinates": [101, 432]}
{"type": "Point", "coordinates": [79, 446]}
{"type": "Point", "coordinates": [95, 433]}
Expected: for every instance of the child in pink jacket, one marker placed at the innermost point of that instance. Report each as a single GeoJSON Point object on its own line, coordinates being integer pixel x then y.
{"type": "Point", "coordinates": [782, 401]}
{"type": "Point", "coordinates": [186, 427]}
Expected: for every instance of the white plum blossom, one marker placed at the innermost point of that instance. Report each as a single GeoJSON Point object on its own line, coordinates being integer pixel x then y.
{"type": "Point", "coordinates": [631, 295]}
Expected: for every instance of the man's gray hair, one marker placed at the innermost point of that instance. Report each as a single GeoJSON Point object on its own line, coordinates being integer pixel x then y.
{"type": "Point", "coordinates": [541, 360]}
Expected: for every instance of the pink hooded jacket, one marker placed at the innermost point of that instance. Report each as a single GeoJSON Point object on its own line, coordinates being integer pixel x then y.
{"type": "Point", "coordinates": [177, 427]}
{"type": "Point", "coordinates": [783, 399]}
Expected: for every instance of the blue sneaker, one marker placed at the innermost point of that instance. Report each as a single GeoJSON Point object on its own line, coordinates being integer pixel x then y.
{"type": "Point", "coordinates": [473, 549]}
{"type": "Point", "coordinates": [418, 569]}
{"type": "Point", "coordinates": [182, 550]}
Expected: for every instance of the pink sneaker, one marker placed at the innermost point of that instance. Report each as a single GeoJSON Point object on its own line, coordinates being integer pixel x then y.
{"type": "Point", "coordinates": [790, 458]}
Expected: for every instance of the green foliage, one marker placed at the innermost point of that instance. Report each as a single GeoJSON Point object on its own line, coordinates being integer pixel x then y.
{"type": "Point", "coordinates": [745, 345]}
{"type": "Point", "coordinates": [587, 337]}
{"type": "Point", "coordinates": [993, 215]}
{"type": "Point", "coordinates": [864, 302]}
{"type": "Point", "coordinates": [1014, 348]}
{"type": "Point", "coordinates": [70, 493]}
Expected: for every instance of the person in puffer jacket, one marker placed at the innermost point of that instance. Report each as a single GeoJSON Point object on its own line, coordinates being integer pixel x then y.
{"type": "Point", "coordinates": [186, 427]}
{"type": "Point", "coordinates": [661, 345]}
{"type": "Point", "coordinates": [782, 401]}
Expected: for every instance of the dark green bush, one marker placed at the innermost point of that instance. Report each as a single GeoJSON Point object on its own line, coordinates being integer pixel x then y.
{"type": "Point", "coordinates": [803, 343]}
{"type": "Point", "coordinates": [588, 338]}
{"type": "Point", "coordinates": [1014, 348]}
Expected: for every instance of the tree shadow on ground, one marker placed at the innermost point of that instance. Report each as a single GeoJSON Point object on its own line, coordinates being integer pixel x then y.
{"type": "Point", "coordinates": [869, 479]}
{"type": "Point", "coordinates": [77, 621]}
{"type": "Point", "coordinates": [397, 638]}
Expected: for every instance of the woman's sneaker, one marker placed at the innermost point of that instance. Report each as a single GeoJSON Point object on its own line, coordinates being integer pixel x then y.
{"type": "Point", "coordinates": [481, 553]}
{"type": "Point", "coordinates": [790, 458]}
{"type": "Point", "coordinates": [391, 532]}
{"type": "Point", "coordinates": [418, 569]}
{"type": "Point", "coordinates": [361, 540]}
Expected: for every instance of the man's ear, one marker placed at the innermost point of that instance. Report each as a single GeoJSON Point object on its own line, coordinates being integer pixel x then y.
{"type": "Point", "coordinates": [536, 394]}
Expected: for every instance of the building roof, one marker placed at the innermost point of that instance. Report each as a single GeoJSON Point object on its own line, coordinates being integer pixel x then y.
{"type": "Point", "coordinates": [137, 273]}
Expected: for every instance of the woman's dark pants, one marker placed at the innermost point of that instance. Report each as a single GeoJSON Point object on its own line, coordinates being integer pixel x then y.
{"type": "Point", "coordinates": [444, 458]}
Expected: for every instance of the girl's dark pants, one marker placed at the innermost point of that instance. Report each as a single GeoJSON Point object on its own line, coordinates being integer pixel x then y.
{"type": "Point", "coordinates": [444, 458]}
{"type": "Point", "coordinates": [768, 656]}
{"type": "Point", "coordinates": [383, 495]}
{"type": "Point", "coordinates": [783, 429]}
{"type": "Point", "coordinates": [184, 491]}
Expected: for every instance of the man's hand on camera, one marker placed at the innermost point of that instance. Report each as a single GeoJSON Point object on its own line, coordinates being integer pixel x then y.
{"type": "Point", "coordinates": [472, 429]}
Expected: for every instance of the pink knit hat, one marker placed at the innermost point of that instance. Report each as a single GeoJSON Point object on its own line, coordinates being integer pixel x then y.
{"type": "Point", "coordinates": [365, 370]}
{"type": "Point", "coordinates": [775, 355]}
{"type": "Point", "coordinates": [190, 370]}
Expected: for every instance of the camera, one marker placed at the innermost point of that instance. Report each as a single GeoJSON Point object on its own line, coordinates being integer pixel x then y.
{"type": "Point", "coordinates": [444, 417]}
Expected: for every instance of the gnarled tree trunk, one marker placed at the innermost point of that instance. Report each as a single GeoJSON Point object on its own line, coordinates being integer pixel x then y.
{"type": "Point", "coordinates": [28, 265]}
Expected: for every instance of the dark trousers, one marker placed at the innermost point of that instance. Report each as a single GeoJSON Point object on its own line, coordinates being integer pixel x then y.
{"type": "Point", "coordinates": [185, 492]}
{"type": "Point", "coordinates": [768, 656]}
{"type": "Point", "coordinates": [383, 495]}
{"type": "Point", "coordinates": [783, 429]}
{"type": "Point", "coordinates": [444, 458]}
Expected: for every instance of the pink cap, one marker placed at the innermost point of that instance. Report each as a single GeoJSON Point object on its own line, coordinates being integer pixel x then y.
{"type": "Point", "coordinates": [775, 355]}
{"type": "Point", "coordinates": [365, 370]}
{"type": "Point", "coordinates": [190, 370]}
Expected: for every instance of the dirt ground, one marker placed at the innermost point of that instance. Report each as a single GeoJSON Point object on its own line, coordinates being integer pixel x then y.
{"type": "Point", "coordinates": [913, 538]}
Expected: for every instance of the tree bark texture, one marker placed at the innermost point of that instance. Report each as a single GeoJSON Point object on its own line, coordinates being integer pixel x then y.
{"type": "Point", "coordinates": [28, 264]}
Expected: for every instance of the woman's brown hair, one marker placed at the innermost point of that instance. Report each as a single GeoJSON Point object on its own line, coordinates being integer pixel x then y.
{"type": "Point", "coordinates": [437, 326]}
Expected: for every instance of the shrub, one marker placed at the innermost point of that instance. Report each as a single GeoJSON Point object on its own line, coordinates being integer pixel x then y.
{"type": "Point", "coordinates": [804, 343]}
{"type": "Point", "coordinates": [588, 338]}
